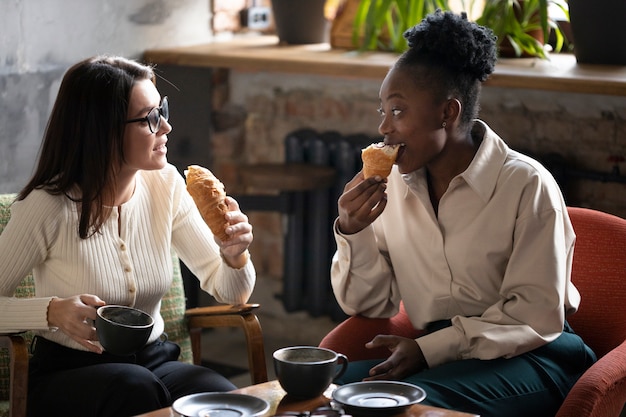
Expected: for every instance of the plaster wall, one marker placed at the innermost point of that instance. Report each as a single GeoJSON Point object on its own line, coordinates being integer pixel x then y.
{"type": "Point", "coordinates": [40, 39]}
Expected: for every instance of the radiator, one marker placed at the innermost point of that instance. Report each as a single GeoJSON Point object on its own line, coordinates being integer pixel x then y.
{"type": "Point", "coordinates": [309, 241]}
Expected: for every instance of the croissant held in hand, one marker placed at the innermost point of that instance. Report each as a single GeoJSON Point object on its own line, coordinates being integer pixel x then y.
{"type": "Point", "coordinates": [208, 193]}
{"type": "Point", "coordinates": [378, 159]}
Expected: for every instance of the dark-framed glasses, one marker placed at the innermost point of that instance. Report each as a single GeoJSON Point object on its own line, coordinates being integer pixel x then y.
{"type": "Point", "coordinates": [154, 116]}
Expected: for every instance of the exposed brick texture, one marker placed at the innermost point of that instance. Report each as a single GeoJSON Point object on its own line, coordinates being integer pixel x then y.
{"type": "Point", "coordinates": [257, 110]}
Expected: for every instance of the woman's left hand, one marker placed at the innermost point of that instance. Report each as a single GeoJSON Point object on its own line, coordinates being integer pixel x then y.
{"type": "Point", "coordinates": [240, 232]}
{"type": "Point", "coordinates": [406, 358]}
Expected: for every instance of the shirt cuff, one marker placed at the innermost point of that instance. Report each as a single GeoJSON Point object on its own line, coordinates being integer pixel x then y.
{"type": "Point", "coordinates": [246, 253]}
{"type": "Point", "coordinates": [356, 248]}
{"type": "Point", "coordinates": [441, 346]}
{"type": "Point", "coordinates": [26, 314]}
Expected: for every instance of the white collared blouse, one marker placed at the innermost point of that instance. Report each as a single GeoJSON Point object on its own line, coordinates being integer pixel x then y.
{"type": "Point", "coordinates": [496, 259]}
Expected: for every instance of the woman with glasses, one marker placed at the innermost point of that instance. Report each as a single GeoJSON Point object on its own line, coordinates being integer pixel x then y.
{"type": "Point", "coordinates": [96, 224]}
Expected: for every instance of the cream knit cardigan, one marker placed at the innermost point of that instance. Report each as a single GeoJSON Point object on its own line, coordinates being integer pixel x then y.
{"type": "Point", "coordinates": [128, 262]}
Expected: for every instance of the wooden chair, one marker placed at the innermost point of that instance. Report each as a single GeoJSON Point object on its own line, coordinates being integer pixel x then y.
{"type": "Point", "coordinates": [182, 326]}
{"type": "Point", "coordinates": [599, 273]}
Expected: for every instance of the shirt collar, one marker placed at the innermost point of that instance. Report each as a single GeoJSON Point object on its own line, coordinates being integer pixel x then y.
{"type": "Point", "coordinates": [482, 173]}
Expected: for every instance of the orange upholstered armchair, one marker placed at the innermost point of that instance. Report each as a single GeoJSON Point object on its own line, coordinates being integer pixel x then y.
{"type": "Point", "coordinates": [599, 272]}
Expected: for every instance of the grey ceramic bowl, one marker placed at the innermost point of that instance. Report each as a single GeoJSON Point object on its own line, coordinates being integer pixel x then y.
{"type": "Point", "coordinates": [123, 330]}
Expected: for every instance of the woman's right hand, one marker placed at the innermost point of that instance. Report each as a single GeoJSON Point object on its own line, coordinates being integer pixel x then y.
{"type": "Point", "coordinates": [75, 317]}
{"type": "Point", "coordinates": [362, 201]}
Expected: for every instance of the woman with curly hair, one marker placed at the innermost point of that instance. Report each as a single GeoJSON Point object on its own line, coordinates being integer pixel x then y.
{"type": "Point", "coordinates": [473, 237]}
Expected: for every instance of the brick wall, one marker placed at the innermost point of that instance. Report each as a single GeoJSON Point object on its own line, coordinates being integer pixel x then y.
{"type": "Point", "coordinates": [254, 111]}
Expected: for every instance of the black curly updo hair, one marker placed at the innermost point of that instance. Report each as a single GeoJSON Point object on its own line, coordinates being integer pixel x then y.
{"type": "Point", "coordinates": [450, 56]}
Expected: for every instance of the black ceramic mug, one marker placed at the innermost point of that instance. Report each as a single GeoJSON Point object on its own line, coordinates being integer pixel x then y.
{"type": "Point", "coordinates": [306, 371]}
{"type": "Point", "coordinates": [123, 330]}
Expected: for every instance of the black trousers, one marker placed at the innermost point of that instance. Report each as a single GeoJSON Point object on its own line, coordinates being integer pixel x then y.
{"type": "Point", "coordinates": [68, 382]}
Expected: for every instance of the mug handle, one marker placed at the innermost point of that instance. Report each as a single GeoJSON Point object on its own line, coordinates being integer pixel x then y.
{"type": "Point", "coordinates": [344, 365]}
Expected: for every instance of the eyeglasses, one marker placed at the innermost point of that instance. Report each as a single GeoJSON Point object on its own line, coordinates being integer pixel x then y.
{"type": "Point", "coordinates": [154, 116]}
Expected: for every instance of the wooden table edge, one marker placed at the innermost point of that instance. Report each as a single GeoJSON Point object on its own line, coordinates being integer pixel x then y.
{"type": "Point", "coordinates": [279, 402]}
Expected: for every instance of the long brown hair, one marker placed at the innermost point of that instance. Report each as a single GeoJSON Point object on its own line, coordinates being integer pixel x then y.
{"type": "Point", "coordinates": [82, 148]}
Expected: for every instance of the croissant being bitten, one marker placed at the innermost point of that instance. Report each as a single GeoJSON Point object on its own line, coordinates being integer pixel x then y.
{"type": "Point", "coordinates": [208, 193]}
{"type": "Point", "coordinates": [378, 159]}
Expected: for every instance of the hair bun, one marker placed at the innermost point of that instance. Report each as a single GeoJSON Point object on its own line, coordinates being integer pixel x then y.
{"type": "Point", "coordinates": [451, 40]}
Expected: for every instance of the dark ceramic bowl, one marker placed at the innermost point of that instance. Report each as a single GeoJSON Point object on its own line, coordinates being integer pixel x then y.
{"type": "Point", "coordinates": [123, 330]}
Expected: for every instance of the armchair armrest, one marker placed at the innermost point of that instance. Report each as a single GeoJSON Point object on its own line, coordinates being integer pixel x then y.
{"type": "Point", "coordinates": [18, 372]}
{"type": "Point", "coordinates": [351, 335]}
{"type": "Point", "coordinates": [601, 390]}
{"type": "Point", "coordinates": [242, 316]}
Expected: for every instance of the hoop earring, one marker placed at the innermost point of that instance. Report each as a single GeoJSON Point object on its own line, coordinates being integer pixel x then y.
{"type": "Point", "coordinates": [443, 125]}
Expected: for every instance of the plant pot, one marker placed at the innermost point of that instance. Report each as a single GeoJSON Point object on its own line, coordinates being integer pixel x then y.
{"type": "Point", "coordinates": [300, 21]}
{"type": "Point", "coordinates": [599, 31]}
{"type": "Point", "coordinates": [342, 25]}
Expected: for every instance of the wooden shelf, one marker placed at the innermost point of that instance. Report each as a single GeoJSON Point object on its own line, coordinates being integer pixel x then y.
{"type": "Point", "coordinates": [264, 53]}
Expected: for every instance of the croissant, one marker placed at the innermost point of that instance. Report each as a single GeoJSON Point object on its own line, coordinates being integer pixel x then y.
{"type": "Point", "coordinates": [208, 193]}
{"type": "Point", "coordinates": [378, 159]}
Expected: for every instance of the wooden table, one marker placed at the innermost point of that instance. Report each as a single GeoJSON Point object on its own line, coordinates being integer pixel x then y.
{"type": "Point", "coordinates": [273, 393]}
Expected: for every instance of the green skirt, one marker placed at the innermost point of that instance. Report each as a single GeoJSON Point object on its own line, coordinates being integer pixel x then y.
{"type": "Point", "coordinates": [532, 384]}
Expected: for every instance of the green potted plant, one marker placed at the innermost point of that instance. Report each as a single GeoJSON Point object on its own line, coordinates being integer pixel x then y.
{"type": "Point", "coordinates": [523, 25]}
{"type": "Point", "coordinates": [380, 24]}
